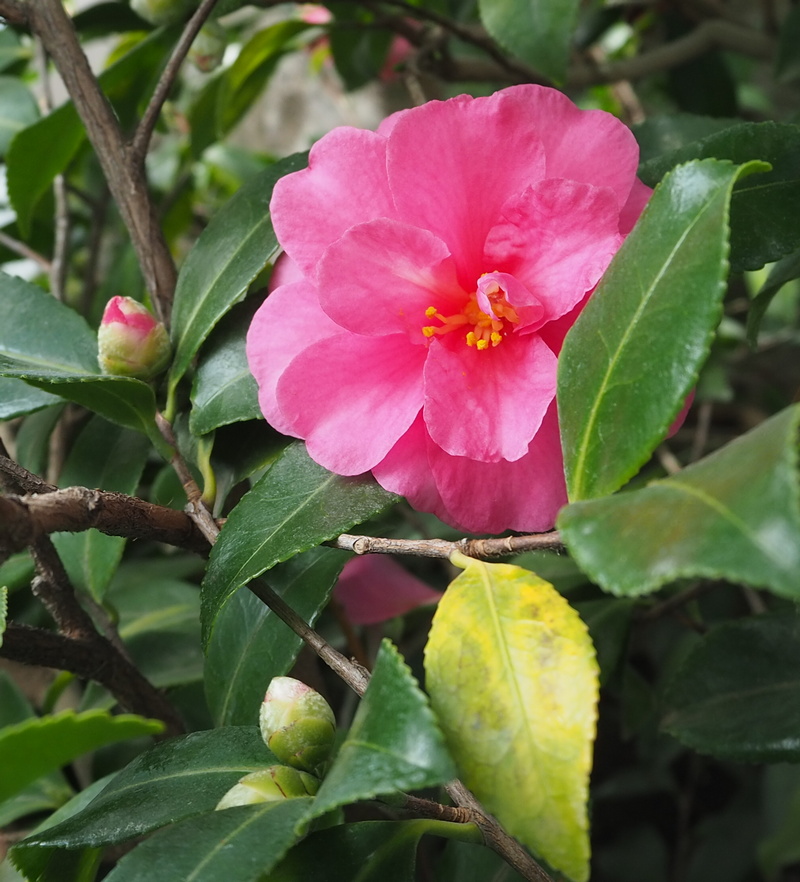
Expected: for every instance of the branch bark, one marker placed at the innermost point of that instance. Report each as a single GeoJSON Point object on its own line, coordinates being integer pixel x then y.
{"type": "Point", "coordinates": [125, 177]}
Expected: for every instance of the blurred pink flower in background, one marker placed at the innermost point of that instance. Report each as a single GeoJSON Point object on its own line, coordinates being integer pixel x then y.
{"type": "Point", "coordinates": [433, 269]}
{"type": "Point", "coordinates": [375, 588]}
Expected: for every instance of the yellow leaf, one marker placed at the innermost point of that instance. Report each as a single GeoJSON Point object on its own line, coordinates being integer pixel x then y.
{"type": "Point", "coordinates": [513, 679]}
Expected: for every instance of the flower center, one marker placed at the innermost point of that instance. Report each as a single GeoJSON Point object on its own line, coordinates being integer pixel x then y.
{"type": "Point", "coordinates": [481, 329]}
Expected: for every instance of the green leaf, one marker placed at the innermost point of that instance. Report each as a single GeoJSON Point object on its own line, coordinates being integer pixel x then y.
{"type": "Point", "coordinates": [43, 150]}
{"type": "Point", "coordinates": [18, 109]}
{"type": "Point", "coordinates": [358, 48]}
{"type": "Point", "coordinates": [370, 851]}
{"type": "Point", "coordinates": [296, 505]}
{"type": "Point", "coordinates": [763, 220]}
{"type": "Point", "coordinates": [224, 390]}
{"type": "Point", "coordinates": [239, 844]}
{"type": "Point", "coordinates": [393, 744]}
{"type": "Point", "coordinates": [35, 747]}
{"type": "Point", "coordinates": [735, 515]}
{"type": "Point", "coordinates": [110, 458]}
{"type": "Point", "coordinates": [537, 31]}
{"type": "Point", "coordinates": [3, 611]}
{"type": "Point", "coordinates": [230, 253]}
{"type": "Point", "coordinates": [737, 693]}
{"type": "Point", "coordinates": [250, 645]}
{"type": "Point", "coordinates": [635, 352]}
{"type": "Point", "coordinates": [783, 271]}
{"type": "Point", "coordinates": [174, 780]}
{"type": "Point", "coordinates": [663, 135]}
{"type": "Point", "coordinates": [787, 65]}
{"type": "Point", "coordinates": [17, 398]}
{"type": "Point", "coordinates": [513, 681]}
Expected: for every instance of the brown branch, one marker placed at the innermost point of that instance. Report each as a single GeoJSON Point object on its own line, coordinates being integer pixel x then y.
{"type": "Point", "coordinates": [15, 12]}
{"type": "Point", "coordinates": [126, 179]}
{"type": "Point", "coordinates": [23, 250]}
{"type": "Point", "coordinates": [92, 658]}
{"type": "Point", "coordinates": [146, 127]}
{"type": "Point", "coordinates": [480, 548]}
{"type": "Point", "coordinates": [24, 519]}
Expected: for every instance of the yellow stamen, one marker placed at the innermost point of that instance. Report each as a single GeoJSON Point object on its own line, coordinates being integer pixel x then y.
{"type": "Point", "coordinates": [484, 330]}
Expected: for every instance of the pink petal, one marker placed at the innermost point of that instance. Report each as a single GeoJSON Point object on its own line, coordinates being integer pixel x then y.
{"type": "Point", "coordinates": [557, 238]}
{"type": "Point", "coordinates": [640, 194]}
{"type": "Point", "coordinates": [288, 321]}
{"type": "Point", "coordinates": [405, 470]}
{"type": "Point", "coordinates": [453, 164]}
{"type": "Point", "coordinates": [525, 495]}
{"type": "Point", "coordinates": [487, 405]}
{"type": "Point", "coordinates": [591, 146]}
{"type": "Point", "coordinates": [375, 588]}
{"type": "Point", "coordinates": [344, 184]}
{"type": "Point", "coordinates": [381, 276]}
{"type": "Point", "coordinates": [352, 398]}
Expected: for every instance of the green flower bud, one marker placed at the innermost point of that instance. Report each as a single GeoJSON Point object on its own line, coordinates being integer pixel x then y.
{"type": "Point", "coordinates": [209, 47]}
{"type": "Point", "coordinates": [269, 785]}
{"type": "Point", "coordinates": [297, 724]}
{"type": "Point", "coordinates": [130, 342]}
{"type": "Point", "coordinates": [161, 12]}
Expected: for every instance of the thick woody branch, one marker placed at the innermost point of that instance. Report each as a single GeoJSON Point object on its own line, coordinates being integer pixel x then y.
{"type": "Point", "coordinates": [24, 519]}
{"type": "Point", "coordinates": [15, 12]}
{"type": "Point", "coordinates": [125, 177]}
{"type": "Point", "coordinates": [92, 658]}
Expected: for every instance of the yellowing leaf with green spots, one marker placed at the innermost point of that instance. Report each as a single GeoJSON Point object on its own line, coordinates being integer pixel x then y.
{"type": "Point", "coordinates": [513, 680]}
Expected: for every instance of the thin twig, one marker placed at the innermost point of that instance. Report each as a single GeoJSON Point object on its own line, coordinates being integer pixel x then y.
{"type": "Point", "coordinates": [126, 179]}
{"type": "Point", "coordinates": [23, 250]}
{"type": "Point", "coordinates": [441, 548]}
{"type": "Point", "coordinates": [146, 127]}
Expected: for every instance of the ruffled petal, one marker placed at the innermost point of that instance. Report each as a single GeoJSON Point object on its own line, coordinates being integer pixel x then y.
{"type": "Point", "coordinates": [345, 184]}
{"type": "Point", "coordinates": [487, 405]}
{"type": "Point", "coordinates": [557, 238]}
{"type": "Point", "coordinates": [381, 276]}
{"type": "Point", "coordinates": [352, 398]}
{"type": "Point", "coordinates": [288, 321]}
{"type": "Point", "coordinates": [405, 470]}
{"type": "Point", "coordinates": [525, 495]}
{"type": "Point", "coordinates": [375, 588]}
{"type": "Point", "coordinates": [453, 164]}
{"type": "Point", "coordinates": [591, 146]}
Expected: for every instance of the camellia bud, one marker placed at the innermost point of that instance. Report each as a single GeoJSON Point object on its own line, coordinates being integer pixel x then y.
{"type": "Point", "coordinates": [130, 342]}
{"type": "Point", "coordinates": [161, 12]}
{"type": "Point", "coordinates": [208, 47]}
{"type": "Point", "coordinates": [269, 785]}
{"type": "Point", "coordinates": [297, 724]}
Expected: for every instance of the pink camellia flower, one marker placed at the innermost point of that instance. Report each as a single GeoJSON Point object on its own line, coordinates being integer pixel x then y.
{"type": "Point", "coordinates": [434, 268]}
{"type": "Point", "coordinates": [131, 342]}
{"type": "Point", "coordinates": [375, 588]}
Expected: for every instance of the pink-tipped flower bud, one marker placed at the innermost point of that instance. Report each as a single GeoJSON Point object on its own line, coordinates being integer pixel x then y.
{"type": "Point", "coordinates": [209, 46]}
{"type": "Point", "coordinates": [297, 724]}
{"type": "Point", "coordinates": [130, 342]}
{"type": "Point", "coordinates": [161, 12]}
{"type": "Point", "coordinates": [269, 785]}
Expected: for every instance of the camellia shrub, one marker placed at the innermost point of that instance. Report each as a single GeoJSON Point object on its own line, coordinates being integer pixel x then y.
{"type": "Point", "coordinates": [521, 313]}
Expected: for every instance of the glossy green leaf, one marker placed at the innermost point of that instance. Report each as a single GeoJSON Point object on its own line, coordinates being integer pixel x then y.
{"type": "Point", "coordinates": [358, 48]}
{"type": "Point", "coordinates": [635, 352]}
{"type": "Point", "coordinates": [224, 390]}
{"type": "Point", "coordinates": [174, 780]}
{"type": "Point", "coordinates": [43, 150]}
{"type": "Point", "coordinates": [240, 844]}
{"type": "Point", "coordinates": [17, 399]}
{"type": "Point", "coordinates": [737, 693]}
{"type": "Point", "coordinates": [369, 851]}
{"type": "Point", "coordinates": [110, 458]}
{"type": "Point", "coordinates": [468, 862]}
{"type": "Point", "coordinates": [33, 437]}
{"type": "Point", "coordinates": [250, 645]}
{"type": "Point", "coordinates": [18, 109]}
{"type": "Point", "coordinates": [296, 505]}
{"type": "Point", "coordinates": [393, 744]}
{"type": "Point", "coordinates": [734, 515]}
{"type": "Point", "coordinates": [763, 219]}
{"type": "Point", "coordinates": [513, 681]}
{"type": "Point", "coordinates": [231, 251]}
{"type": "Point", "coordinates": [38, 746]}
{"type": "Point", "coordinates": [664, 134]}
{"type": "Point", "coordinates": [783, 271]}
{"type": "Point", "coordinates": [537, 31]}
